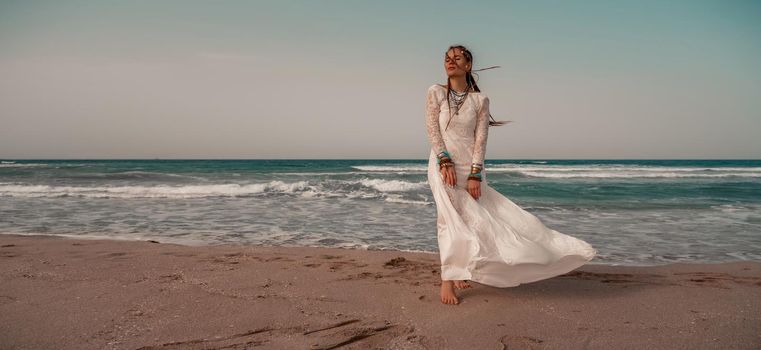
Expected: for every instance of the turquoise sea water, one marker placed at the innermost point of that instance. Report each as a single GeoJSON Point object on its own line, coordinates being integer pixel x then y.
{"type": "Point", "coordinates": [635, 212]}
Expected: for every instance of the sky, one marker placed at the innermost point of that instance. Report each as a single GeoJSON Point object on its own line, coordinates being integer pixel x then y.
{"type": "Point", "coordinates": [348, 79]}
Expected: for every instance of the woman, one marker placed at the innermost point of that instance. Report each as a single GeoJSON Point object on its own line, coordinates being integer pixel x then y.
{"type": "Point", "coordinates": [483, 236]}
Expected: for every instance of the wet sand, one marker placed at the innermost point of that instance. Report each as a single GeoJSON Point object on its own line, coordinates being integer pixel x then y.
{"type": "Point", "coordinates": [64, 293]}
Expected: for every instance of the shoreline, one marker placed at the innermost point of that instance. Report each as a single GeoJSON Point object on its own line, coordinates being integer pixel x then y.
{"type": "Point", "coordinates": [199, 244]}
{"type": "Point", "coordinates": [72, 293]}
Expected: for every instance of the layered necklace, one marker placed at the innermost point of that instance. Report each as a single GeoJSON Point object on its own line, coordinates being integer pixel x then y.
{"type": "Point", "coordinates": [458, 98]}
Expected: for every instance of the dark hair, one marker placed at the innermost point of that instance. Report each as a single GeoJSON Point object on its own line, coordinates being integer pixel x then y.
{"type": "Point", "coordinates": [471, 81]}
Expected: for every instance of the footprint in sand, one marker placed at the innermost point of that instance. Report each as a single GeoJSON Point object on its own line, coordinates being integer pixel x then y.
{"type": "Point", "coordinates": [357, 332]}
{"type": "Point", "coordinates": [510, 342]}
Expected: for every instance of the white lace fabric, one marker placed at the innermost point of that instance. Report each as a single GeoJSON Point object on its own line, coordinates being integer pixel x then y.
{"type": "Point", "coordinates": [470, 120]}
{"type": "Point", "coordinates": [432, 111]}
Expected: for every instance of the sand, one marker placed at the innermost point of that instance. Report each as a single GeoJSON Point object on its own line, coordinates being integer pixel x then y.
{"type": "Point", "coordinates": [65, 293]}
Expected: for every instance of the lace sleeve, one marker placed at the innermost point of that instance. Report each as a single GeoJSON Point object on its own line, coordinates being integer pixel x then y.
{"type": "Point", "coordinates": [481, 132]}
{"type": "Point", "coordinates": [432, 109]}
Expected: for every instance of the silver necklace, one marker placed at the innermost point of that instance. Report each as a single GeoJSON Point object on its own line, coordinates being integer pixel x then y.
{"type": "Point", "coordinates": [458, 98]}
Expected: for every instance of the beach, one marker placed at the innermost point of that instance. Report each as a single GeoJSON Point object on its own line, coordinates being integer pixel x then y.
{"type": "Point", "coordinates": [278, 175]}
{"type": "Point", "coordinates": [68, 293]}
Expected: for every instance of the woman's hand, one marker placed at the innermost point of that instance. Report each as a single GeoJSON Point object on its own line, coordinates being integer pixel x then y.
{"type": "Point", "coordinates": [474, 188]}
{"type": "Point", "coordinates": [449, 176]}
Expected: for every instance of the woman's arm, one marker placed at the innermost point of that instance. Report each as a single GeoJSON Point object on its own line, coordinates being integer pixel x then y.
{"type": "Point", "coordinates": [481, 133]}
{"type": "Point", "coordinates": [432, 109]}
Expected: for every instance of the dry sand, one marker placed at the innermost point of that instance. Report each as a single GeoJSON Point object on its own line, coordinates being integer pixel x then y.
{"type": "Point", "coordinates": [64, 293]}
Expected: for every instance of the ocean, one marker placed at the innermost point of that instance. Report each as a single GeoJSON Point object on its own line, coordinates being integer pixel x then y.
{"type": "Point", "coordinates": [634, 212]}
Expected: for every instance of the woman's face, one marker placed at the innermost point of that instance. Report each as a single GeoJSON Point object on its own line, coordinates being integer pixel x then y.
{"type": "Point", "coordinates": [455, 63]}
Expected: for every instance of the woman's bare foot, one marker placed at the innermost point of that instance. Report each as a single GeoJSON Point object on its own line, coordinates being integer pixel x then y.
{"type": "Point", "coordinates": [461, 284]}
{"type": "Point", "coordinates": [447, 293]}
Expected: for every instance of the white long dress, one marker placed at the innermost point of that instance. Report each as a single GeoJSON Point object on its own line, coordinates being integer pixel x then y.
{"type": "Point", "coordinates": [489, 240]}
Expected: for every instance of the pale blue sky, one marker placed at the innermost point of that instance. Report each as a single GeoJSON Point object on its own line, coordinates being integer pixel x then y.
{"type": "Point", "coordinates": [347, 79]}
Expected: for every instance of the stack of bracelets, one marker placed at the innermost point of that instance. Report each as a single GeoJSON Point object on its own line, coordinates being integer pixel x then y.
{"type": "Point", "coordinates": [475, 172]}
{"type": "Point", "coordinates": [445, 160]}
